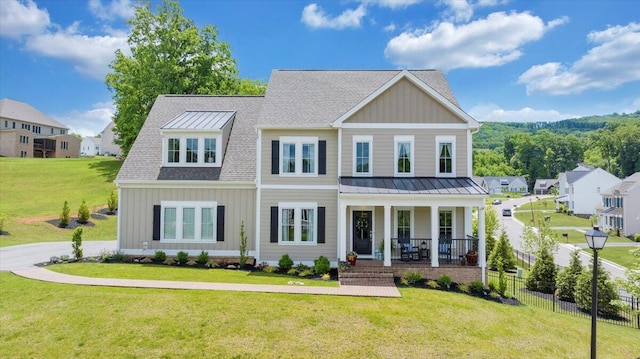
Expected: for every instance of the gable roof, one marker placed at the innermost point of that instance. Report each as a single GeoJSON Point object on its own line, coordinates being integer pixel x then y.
{"type": "Point", "coordinates": [508, 179]}
{"type": "Point", "coordinates": [320, 99]}
{"type": "Point", "coordinates": [545, 183]}
{"type": "Point", "coordinates": [20, 111]}
{"type": "Point", "coordinates": [625, 186]}
{"type": "Point", "coordinates": [144, 161]}
{"type": "Point", "coordinates": [573, 176]}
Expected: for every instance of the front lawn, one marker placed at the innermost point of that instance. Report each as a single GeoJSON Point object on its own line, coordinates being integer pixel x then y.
{"type": "Point", "coordinates": [46, 320]}
{"type": "Point", "coordinates": [618, 255]}
{"type": "Point", "coordinates": [523, 214]}
{"type": "Point", "coordinates": [576, 236]}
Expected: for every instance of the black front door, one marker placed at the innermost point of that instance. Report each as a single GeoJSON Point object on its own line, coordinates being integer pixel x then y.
{"type": "Point", "coordinates": [362, 226]}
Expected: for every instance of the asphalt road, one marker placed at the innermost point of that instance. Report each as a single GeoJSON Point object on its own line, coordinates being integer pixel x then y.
{"type": "Point", "coordinates": [25, 255]}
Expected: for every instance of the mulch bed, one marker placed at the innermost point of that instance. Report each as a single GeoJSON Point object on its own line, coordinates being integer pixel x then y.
{"type": "Point", "coordinates": [454, 287]}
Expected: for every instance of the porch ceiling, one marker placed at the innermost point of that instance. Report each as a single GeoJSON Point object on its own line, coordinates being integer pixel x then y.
{"type": "Point", "coordinates": [410, 185]}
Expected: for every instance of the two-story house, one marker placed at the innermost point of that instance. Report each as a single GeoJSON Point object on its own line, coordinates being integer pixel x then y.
{"type": "Point", "coordinates": [27, 132]}
{"type": "Point", "coordinates": [620, 209]}
{"type": "Point", "coordinates": [580, 190]}
{"type": "Point", "coordinates": [327, 162]}
{"type": "Point", "coordinates": [515, 184]}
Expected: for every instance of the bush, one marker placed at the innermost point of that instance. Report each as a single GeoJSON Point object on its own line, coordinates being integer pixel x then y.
{"type": "Point", "coordinates": [83, 213]}
{"type": "Point", "coordinates": [76, 243]}
{"type": "Point", "coordinates": [285, 263]}
{"type": "Point", "coordinates": [607, 291]}
{"type": "Point", "coordinates": [169, 261]}
{"type": "Point", "coordinates": [543, 273]}
{"type": "Point", "coordinates": [292, 271]}
{"type": "Point", "coordinates": [146, 260]}
{"type": "Point", "coordinates": [476, 286]}
{"type": "Point", "coordinates": [432, 284]}
{"type": "Point", "coordinates": [3, 217]}
{"type": "Point", "coordinates": [444, 281]}
{"type": "Point", "coordinates": [636, 237]}
{"type": "Point", "coordinates": [112, 203]}
{"type": "Point", "coordinates": [305, 273]}
{"type": "Point", "coordinates": [566, 279]}
{"type": "Point", "coordinates": [269, 269]}
{"type": "Point", "coordinates": [321, 265]}
{"type": "Point", "coordinates": [160, 256]}
{"type": "Point", "coordinates": [301, 267]}
{"type": "Point", "coordinates": [493, 287]}
{"type": "Point", "coordinates": [502, 279]}
{"type": "Point", "coordinates": [203, 257]}
{"type": "Point", "coordinates": [412, 278]}
{"type": "Point", "coordinates": [326, 277]}
{"type": "Point", "coordinates": [64, 216]}
{"type": "Point", "coordinates": [502, 251]}
{"type": "Point", "coordinates": [182, 257]}
{"type": "Point", "coordinates": [464, 288]}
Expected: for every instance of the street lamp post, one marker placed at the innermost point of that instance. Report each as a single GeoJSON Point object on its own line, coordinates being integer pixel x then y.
{"type": "Point", "coordinates": [595, 240]}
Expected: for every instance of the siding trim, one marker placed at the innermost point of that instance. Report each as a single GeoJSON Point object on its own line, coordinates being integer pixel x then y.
{"type": "Point", "coordinates": [275, 157]}
{"type": "Point", "coordinates": [220, 224]}
{"type": "Point", "coordinates": [321, 225]}
{"type": "Point", "coordinates": [156, 222]}
{"type": "Point", "coordinates": [322, 157]}
{"type": "Point", "coordinates": [273, 238]}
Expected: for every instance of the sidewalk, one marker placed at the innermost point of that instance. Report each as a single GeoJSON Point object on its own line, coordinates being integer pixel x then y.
{"type": "Point", "coordinates": [45, 275]}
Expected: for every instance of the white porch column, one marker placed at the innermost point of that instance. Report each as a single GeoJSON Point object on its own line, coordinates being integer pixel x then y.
{"type": "Point", "coordinates": [482, 246]}
{"type": "Point", "coordinates": [387, 235]}
{"type": "Point", "coordinates": [468, 227]}
{"type": "Point", "coordinates": [435, 234]}
{"type": "Point", "coordinates": [342, 243]}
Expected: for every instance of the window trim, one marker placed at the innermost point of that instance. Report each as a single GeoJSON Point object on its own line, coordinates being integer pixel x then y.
{"type": "Point", "coordinates": [361, 139]}
{"type": "Point", "coordinates": [446, 139]}
{"type": "Point", "coordinates": [298, 142]}
{"type": "Point", "coordinates": [411, 221]}
{"type": "Point", "coordinates": [453, 220]}
{"type": "Point", "coordinates": [297, 222]}
{"type": "Point", "coordinates": [396, 141]}
{"type": "Point", "coordinates": [182, 139]}
{"type": "Point", "coordinates": [179, 206]}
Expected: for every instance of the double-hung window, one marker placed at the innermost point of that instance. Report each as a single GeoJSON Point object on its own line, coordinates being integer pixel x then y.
{"type": "Point", "coordinates": [298, 224]}
{"type": "Point", "coordinates": [403, 223]}
{"type": "Point", "coordinates": [199, 150]}
{"type": "Point", "coordinates": [188, 221]}
{"type": "Point", "coordinates": [299, 155]}
{"type": "Point", "coordinates": [446, 224]}
{"type": "Point", "coordinates": [403, 156]}
{"type": "Point", "coordinates": [445, 156]}
{"type": "Point", "coordinates": [192, 150]}
{"type": "Point", "coordinates": [362, 150]}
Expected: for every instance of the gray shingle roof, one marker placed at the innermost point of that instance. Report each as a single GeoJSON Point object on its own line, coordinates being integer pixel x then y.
{"type": "Point", "coordinates": [145, 158]}
{"type": "Point", "coordinates": [413, 185]}
{"type": "Point", "coordinates": [573, 176]}
{"type": "Point", "coordinates": [317, 98]}
{"type": "Point", "coordinates": [20, 111]}
{"type": "Point", "coordinates": [199, 120]}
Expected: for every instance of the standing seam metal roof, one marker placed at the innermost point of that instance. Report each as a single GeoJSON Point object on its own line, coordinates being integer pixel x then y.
{"type": "Point", "coordinates": [411, 185]}
{"type": "Point", "coordinates": [199, 120]}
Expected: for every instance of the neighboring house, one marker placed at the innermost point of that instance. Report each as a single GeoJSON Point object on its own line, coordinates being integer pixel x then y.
{"type": "Point", "coordinates": [580, 189]}
{"type": "Point", "coordinates": [620, 206]}
{"type": "Point", "coordinates": [108, 145]}
{"type": "Point", "coordinates": [90, 146]}
{"type": "Point", "coordinates": [27, 132]}
{"type": "Point", "coordinates": [493, 185]}
{"type": "Point", "coordinates": [544, 186]}
{"type": "Point", "coordinates": [327, 162]}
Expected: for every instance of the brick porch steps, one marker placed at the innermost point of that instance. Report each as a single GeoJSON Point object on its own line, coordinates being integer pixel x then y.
{"type": "Point", "coordinates": [367, 276]}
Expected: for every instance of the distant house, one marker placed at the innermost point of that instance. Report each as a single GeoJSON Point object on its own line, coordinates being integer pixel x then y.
{"type": "Point", "coordinates": [108, 145]}
{"type": "Point", "coordinates": [544, 186]}
{"type": "Point", "coordinates": [620, 207]}
{"type": "Point", "coordinates": [493, 185]}
{"type": "Point", "coordinates": [580, 190]}
{"type": "Point", "coordinates": [27, 132]}
{"type": "Point", "coordinates": [91, 146]}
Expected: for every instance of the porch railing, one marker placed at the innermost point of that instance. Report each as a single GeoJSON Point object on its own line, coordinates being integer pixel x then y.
{"type": "Point", "coordinates": [452, 250]}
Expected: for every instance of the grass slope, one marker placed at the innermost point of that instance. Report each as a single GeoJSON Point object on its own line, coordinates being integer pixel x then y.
{"type": "Point", "coordinates": [33, 190]}
{"type": "Point", "coordinates": [146, 323]}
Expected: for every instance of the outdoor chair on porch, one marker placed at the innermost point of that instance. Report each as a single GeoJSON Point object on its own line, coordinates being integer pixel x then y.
{"type": "Point", "coordinates": [444, 249]}
{"type": "Point", "coordinates": [408, 251]}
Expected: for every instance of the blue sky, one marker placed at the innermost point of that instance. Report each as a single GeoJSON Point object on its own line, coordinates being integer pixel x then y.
{"type": "Point", "coordinates": [506, 60]}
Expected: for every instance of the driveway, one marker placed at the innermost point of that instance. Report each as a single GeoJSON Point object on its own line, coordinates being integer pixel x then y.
{"type": "Point", "coordinates": [26, 255]}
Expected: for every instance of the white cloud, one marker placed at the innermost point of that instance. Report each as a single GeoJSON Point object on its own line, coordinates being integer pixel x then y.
{"type": "Point", "coordinates": [314, 17]}
{"type": "Point", "coordinates": [18, 18]}
{"type": "Point", "coordinates": [393, 4]}
{"type": "Point", "coordinates": [390, 28]}
{"type": "Point", "coordinates": [493, 41]}
{"type": "Point", "coordinates": [611, 63]}
{"type": "Point", "coordinates": [493, 113]}
{"type": "Point", "coordinates": [115, 9]}
{"type": "Point", "coordinates": [90, 122]}
{"type": "Point", "coordinates": [459, 10]}
{"type": "Point", "coordinates": [90, 55]}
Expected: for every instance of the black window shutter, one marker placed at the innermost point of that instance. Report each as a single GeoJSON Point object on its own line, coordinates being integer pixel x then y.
{"type": "Point", "coordinates": [220, 222]}
{"type": "Point", "coordinates": [156, 223]}
{"type": "Point", "coordinates": [275, 157]}
{"type": "Point", "coordinates": [322, 157]}
{"type": "Point", "coordinates": [321, 224]}
{"type": "Point", "coordinates": [274, 225]}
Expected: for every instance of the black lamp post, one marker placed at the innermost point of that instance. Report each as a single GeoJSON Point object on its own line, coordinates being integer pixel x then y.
{"type": "Point", "coordinates": [595, 240]}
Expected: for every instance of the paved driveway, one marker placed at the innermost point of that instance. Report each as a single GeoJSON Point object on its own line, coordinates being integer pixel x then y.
{"type": "Point", "coordinates": [26, 255]}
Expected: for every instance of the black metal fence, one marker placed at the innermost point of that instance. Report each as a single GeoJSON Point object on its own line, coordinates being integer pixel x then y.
{"type": "Point", "coordinates": [628, 314]}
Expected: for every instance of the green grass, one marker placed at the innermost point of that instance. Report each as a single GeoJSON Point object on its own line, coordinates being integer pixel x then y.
{"type": "Point", "coordinates": [547, 204]}
{"type": "Point", "coordinates": [576, 236]}
{"type": "Point", "coordinates": [619, 255]}
{"type": "Point", "coordinates": [163, 272]}
{"type": "Point", "coordinates": [34, 190]}
{"type": "Point", "coordinates": [523, 214]}
{"type": "Point", "coordinates": [91, 322]}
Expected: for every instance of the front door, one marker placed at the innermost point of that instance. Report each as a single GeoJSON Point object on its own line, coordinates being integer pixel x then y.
{"type": "Point", "coordinates": [362, 227]}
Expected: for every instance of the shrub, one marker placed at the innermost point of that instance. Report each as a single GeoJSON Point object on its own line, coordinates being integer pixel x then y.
{"type": "Point", "coordinates": [543, 273]}
{"type": "Point", "coordinates": [607, 291]}
{"type": "Point", "coordinates": [321, 265]}
{"type": "Point", "coordinates": [444, 281]}
{"type": "Point", "coordinates": [285, 263]}
{"type": "Point", "coordinates": [301, 267]}
{"type": "Point", "coordinates": [432, 284]}
{"type": "Point", "coordinates": [492, 286]}
{"type": "Point", "coordinates": [3, 217]}
{"type": "Point", "coordinates": [243, 246]}
{"type": "Point", "coordinates": [76, 243]}
{"type": "Point", "coordinates": [636, 237]}
{"type": "Point", "coordinates": [182, 257]}
{"type": "Point", "coordinates": [502, 279]}
{"type": "Point", "coordinates": [476, 286]}
{"type": "Point", "coordinates": [504, 251]}
{"type": "Point", "coordinates": [464, 288]}
{"type": "Point", "coordinates": [292, 271]}
{"type": "Point", "coordinates": [169, 261]}
{"type": "Point", "coordinates": [112, 203]}
{"type": "Point", "coordinates": [326, 276]}
{"type": "Point", "coordinates": [203, 257]}
{"type": "Point", "coordinates": [212, 264]}
{"type": "Point", "coordinates": [412, 277]}
{"type": "Point", "coordinates": [305, 273]}
{"type": "Point", "coordinates": [343, 266]}
{"type": "Point", "coordinates": [191, 263]}
{"type": "Point", "coordinates": [269, 269]}
{"type": "Point", "coordinates": [566, 279]}
{"type": "Point", "coordinates": [160, 256]}
{"type": "Point", "coordinates": [117, 256]}
{"type": "Point", "coordinates": [83, 213]}
{"type": "Point", "coordinates": [146, 260]}
{"type": "Point", "coordinates": [64, 216]}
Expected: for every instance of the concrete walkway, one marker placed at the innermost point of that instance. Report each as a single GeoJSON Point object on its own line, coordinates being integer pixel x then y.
{"type": "Point", "coordinates": [43, 274]}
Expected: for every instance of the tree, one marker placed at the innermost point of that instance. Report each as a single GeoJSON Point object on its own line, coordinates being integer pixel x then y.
{"type": "Point", "coordinates": [169, 55]}
{"type": "Point", "coordinates": [567, 278]}
{"type": "Point", "coordinates": [64, 216]}
{"type": "Point", "coordinates": [243, 246]}
{"type": "Point", "coordinates": [539, 238]}
{"type": "Point", "coordinates": [83, 213]}
{"type": "Point", "coordinates": [502, 252]}
{"type": "Point", "coordinates": [607, 291]}
{"type": "Point", "coordinates": [632, 283]}
{"type": "Point", "coordinates": [491, 224]}
{"type": "Point", "coordinates": [76, 243]}
{"type": "Point", "coordinates": [543, 273]}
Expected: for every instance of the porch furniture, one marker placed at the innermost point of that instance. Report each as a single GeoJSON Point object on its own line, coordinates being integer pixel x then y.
{"type": "Point", "coordinates": [407, 251]}
{"type": "Point", "coordinates": [444, 249]}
